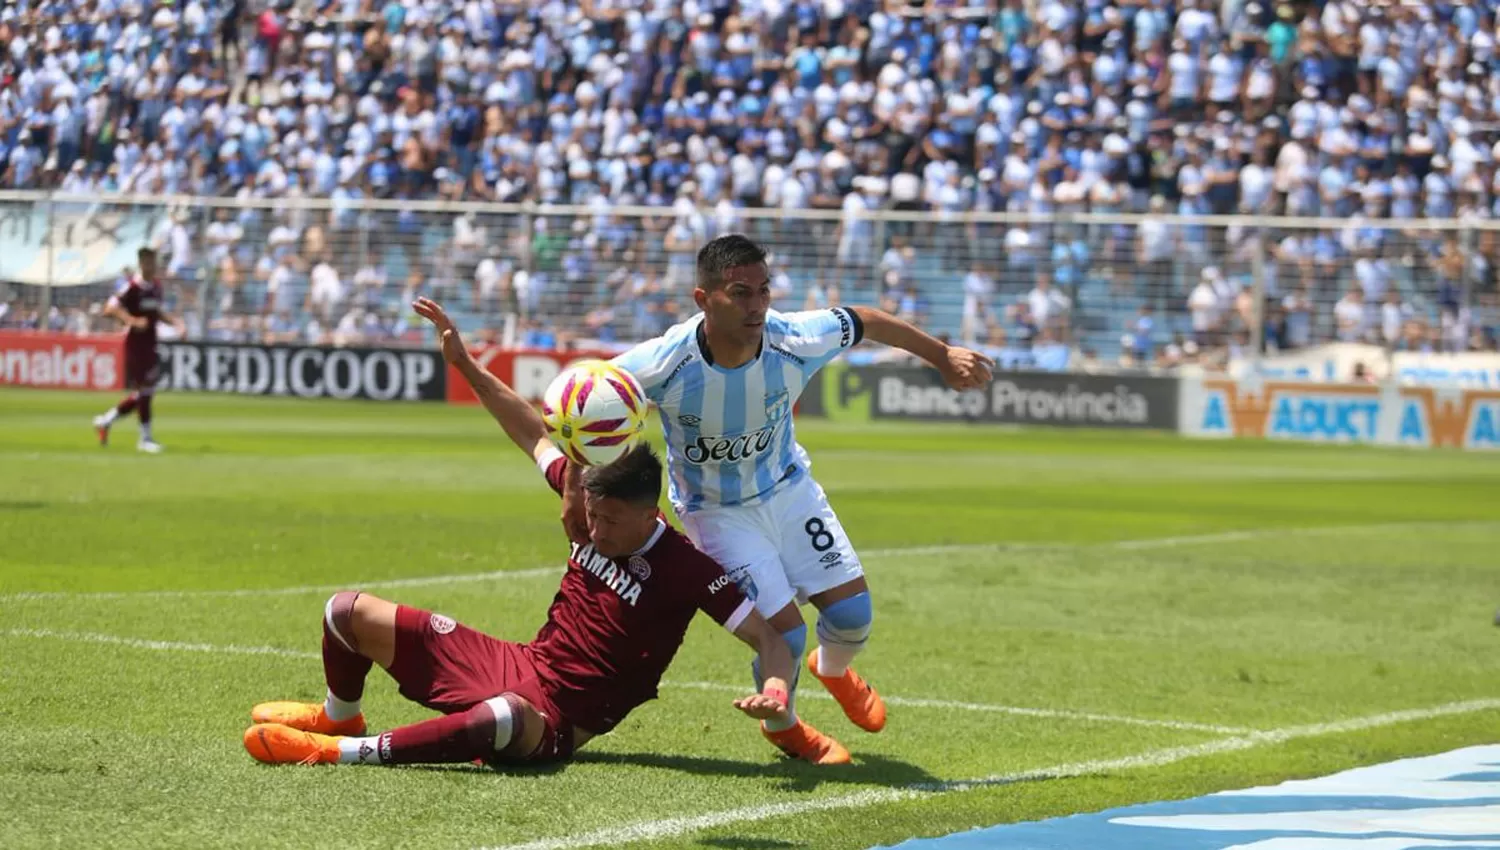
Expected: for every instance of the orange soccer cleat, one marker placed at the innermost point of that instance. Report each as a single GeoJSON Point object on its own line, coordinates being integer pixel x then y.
{"type": "Point", "coordinates": [306, 717]}
{"type": "Point", "coordinates": [806, 743]}
{"type": "Point", "coordinates": [861, 704]}
{"type": "Point", "coordinates": [273, 743]}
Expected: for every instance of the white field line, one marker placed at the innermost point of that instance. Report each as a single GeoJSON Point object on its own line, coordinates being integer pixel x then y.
{"type": "Point", "coordinates": [222, 649]}
{"type": "Point", "coordinates": [537, 572]}
{"type": "Point", "coordinates": [674, 827]}
{"type": "Point", "coordinates": [419, 581]}
{"type": "Point", "coordinates": [158, 645]}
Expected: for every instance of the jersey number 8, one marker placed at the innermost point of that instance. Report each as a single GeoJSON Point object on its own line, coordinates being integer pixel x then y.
{"type": "Point", "coordinates": [822, 538]}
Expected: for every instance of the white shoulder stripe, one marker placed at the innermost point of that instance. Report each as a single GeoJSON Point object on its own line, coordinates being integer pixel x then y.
{"type": "Point", "coordinates": [739, 616]}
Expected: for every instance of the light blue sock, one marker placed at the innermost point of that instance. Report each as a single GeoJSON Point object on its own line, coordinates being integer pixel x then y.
{"type": "Point", "coordinates": [796, 642]}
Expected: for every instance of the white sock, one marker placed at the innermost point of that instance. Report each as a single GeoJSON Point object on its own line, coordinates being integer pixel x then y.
{"type": "Point", "coordinates": [110, 416]}
{"type": "Point", "coordinates": [338, 709]}
{"type": "Point", "coordinates": [834, 660]}
{"type": "Point", "coordinates": [360, 750]}
{"type": "Point", "coordinates": [774, 725]}
{"type": "Point", "coordinates": [145, 432]}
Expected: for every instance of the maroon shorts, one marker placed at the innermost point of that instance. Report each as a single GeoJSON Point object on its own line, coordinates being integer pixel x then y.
{"type": "Point", "coordinates": [142, 369]}
{"type": "Point", "coordinates": [450, 667]}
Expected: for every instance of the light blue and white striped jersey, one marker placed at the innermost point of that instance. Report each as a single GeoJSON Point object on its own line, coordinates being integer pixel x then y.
{"type": "Point", "coordinates": [729, 431]}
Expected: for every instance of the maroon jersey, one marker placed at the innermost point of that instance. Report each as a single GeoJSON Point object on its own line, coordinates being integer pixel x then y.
{"type": "Point", "coordinates": [616, 623]}
{"type": "Point", "coordinates": [141, 297]}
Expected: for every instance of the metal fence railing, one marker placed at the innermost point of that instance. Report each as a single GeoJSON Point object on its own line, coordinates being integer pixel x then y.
{"type": "Point", "coordinates": [1100, 289]}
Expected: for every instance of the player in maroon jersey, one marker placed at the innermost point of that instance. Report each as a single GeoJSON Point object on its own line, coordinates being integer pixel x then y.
{"type": "Point", "coordinates": [138, 303]}
{"type": "Point", "coordinates": [625, 603]}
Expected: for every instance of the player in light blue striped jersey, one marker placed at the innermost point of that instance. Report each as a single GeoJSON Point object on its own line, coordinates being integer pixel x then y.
{"type": "Point", "coordinates": [724, 383]}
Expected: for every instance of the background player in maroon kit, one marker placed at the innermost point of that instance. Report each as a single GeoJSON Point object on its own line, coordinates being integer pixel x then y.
{"type": "Point", "coordinates": [138, 303]}
{"type": "Point", "coordinates": [625, 603]}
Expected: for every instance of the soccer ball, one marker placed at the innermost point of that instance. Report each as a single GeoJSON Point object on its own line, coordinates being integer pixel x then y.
{"type": "Point", "coordinates": [595, 412]}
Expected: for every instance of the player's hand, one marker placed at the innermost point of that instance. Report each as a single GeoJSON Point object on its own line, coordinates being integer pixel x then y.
{"type": "Point", "coordinates": [761, 707]}
{"type": "Point", "coordinates": [140, 323]}
{"type": "Point", "coordinates": [966, 369]}
{"type": "Point", "coordinates": [453, 344]}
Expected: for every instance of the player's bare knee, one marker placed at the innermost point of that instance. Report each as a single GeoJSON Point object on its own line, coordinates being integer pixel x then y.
{"type": "Point", "coordinates": [374, 624]}
{"type": "Point", "coordinates": [517, 727]}
{"type": "Point", "coordinates": [852, 587]}
{"type": "Point", "coordinates": [338, 618]}
{"type": "Point", "coordinates": [787, 618]}
{"type": "Point", "coordinates": [363, 624]}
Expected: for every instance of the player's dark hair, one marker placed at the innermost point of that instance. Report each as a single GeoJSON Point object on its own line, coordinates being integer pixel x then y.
{"type": "Point", "coordinates": [635, 478]}
{"type": "Point", "coordinates": [726, 252]}
{"type": "Point", "coordinates": [145, 254]}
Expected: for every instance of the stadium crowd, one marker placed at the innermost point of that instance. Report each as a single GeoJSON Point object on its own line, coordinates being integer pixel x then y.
{"type": "Point", "coordinates": [1353, 111]}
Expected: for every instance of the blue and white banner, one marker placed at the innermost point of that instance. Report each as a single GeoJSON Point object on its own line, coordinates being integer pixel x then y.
{"type": "Point", "coordinates": [1447, 800]}
{"type": "Point", "coordinates": [77, 244]}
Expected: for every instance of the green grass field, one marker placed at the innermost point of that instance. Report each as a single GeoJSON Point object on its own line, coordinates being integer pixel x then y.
{"type": "Point", "coordinates": [1111, 618]}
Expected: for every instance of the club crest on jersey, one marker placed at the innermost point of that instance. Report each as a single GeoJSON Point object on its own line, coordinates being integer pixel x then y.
{"type": "Point", "coordinates": [639, 567]}
{"type": "Point", "coordinates": [741, 576]}
{"type": "Point", "coordinates": [443, 625]}
{"type": "Point", "coordinates": [776, 406]}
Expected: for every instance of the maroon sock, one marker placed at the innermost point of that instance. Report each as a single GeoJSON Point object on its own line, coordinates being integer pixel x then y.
{"type": "Point", "coordinates": [124, 407]}
{"type": "Point", "coordinates": [453, 738]}
{"type": "Point", "coordinates": [145, 410]}
{"type": "Point", "coordinates": [344, 669]}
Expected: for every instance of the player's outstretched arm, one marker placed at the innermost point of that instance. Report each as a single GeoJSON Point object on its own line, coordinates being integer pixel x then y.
{"type": "Point", "coordinates": [776, 660]}
{"type": "Point", "coordinates": [115, 310]}
{"type": "Point", "coordinates": [516, 415]}
{"type": "Point", "coordinates": [173, 321]}
{"type": "Point", "coordinates": [962, 368]}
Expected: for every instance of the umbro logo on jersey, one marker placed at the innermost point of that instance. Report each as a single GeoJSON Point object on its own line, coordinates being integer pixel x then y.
{"type": "Point", "coordinates": [831, 557]}
{"type": "Point", "coordinates": [689, 420]}
{"type": "Point", "coordinates": [788, 355]}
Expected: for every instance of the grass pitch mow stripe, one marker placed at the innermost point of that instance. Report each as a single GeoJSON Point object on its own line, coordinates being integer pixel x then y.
{"type": "Point", "coordinates": [673, 827]}
{"type": "Point", "coordinates": [939, 549]}
{"type": "Point", "coordinates": [1147, 543]}
{"type": "Point", "coordinates": [1059, 714]}
{"type": "Point", "coordinates": [418, 581]}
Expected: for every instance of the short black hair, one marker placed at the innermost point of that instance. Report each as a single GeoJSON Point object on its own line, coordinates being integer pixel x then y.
{"type": "Point", "coordinates": [145, 254]}
{"type": "Point", "coordinates": [635, 478]}
{"type": "Point", "coordinates": [726, 252]}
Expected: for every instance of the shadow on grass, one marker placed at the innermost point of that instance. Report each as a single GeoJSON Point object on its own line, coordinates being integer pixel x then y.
{"type": "Point", "coordinates": [750, 843]}
{"type": "Point", "coordinates": [793, 775]}
{"type": "Point", "coordinates": [14, 505]}
{"type": "Point", "coordinates": [790, 775]}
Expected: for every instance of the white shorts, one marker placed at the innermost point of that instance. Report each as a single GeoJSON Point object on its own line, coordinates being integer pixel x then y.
{"type": "Point", "coordinates": [789, 547]}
